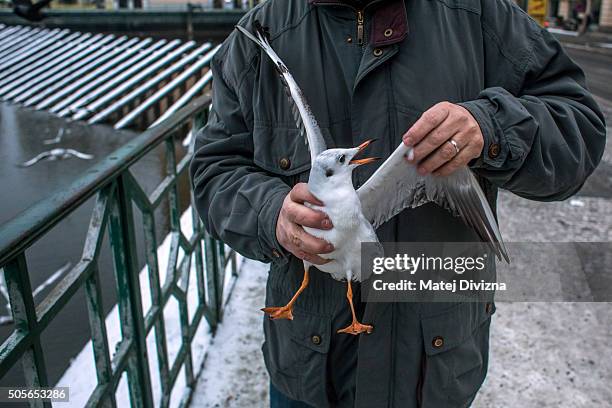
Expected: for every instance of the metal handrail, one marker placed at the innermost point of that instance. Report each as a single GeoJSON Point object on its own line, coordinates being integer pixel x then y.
{"type": "Point", "coordinates": [16, 236]}
{"type": "Point", "coordinates": [115, 192]}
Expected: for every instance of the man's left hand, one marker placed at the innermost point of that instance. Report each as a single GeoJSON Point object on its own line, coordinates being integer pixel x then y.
{"type": "Point", "coordinates": [445, 138]}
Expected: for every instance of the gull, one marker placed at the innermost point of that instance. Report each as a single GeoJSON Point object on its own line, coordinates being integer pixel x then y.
{"type": "Point", "coordinates": [355, 214]}
{"type": "Point", "coordinates": [56, 139]}
{"type": "Point", "coordinates": [55, 154]}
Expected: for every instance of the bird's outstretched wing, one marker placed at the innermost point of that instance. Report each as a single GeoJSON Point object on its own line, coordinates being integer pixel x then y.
{"type": "Point", "coordinates": [302, 114]}
{"type": "Point", "coordinates": [80, 155]}
{"type": "Point", "coordinates": [35, 159]}
{"type": "Point", "coordinates": [403, 187]}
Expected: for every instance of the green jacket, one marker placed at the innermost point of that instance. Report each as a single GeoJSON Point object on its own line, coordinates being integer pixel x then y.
{"type": "Point", "coordinates": [543, 132]}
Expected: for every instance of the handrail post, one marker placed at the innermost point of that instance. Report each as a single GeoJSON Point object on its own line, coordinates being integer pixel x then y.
{"type": "Point", "coordinates": [24, 316]}
{"type": "Point", "coordinates": [123, 243]}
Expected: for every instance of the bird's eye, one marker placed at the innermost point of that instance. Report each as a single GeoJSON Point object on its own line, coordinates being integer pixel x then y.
{"type": "Point", "coordinates": [329, 173]}
{"type": "Point", "coordinates": [341, 159]}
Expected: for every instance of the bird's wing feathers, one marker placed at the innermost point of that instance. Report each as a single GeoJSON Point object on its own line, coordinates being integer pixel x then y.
{"type": "Point", "coordinates": [36, 159]}
{"type": "Point", "coordinates": [302, 113]}
{"type": "Point", "coordinates": [403, 187]}
{"type": "Point", "coordinates": [80, 155]}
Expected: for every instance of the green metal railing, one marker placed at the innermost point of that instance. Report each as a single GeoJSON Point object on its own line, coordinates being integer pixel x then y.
{"type": "Point", "coordinates": [115, 190]}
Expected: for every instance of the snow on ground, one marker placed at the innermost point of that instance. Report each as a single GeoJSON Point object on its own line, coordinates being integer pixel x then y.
{"type": "Point", "coordinates": [234, 374]}
{"type": "Point", "coordinates": [549, 355]}
{"type": "Point", "coordinates": [81, 386]}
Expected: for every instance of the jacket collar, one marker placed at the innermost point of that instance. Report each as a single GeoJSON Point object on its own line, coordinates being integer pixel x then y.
{"type": "Point", "coordinates": [389, 19]}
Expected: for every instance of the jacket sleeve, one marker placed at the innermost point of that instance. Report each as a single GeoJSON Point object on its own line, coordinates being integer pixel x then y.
{"type": "Point", "coordinates": [237, 201]}
{"type": "Point", "coordinates": [544, 133]}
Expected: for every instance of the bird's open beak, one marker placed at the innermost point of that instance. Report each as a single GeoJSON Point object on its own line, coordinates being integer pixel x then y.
{"type": "Point", "coordinates": [362, 147]}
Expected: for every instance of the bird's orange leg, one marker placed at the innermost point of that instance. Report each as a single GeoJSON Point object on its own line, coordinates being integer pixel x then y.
{"type": "Point", "coordinates": [285, 312]}
{"type": "Point", "coordinates": [354, 328]}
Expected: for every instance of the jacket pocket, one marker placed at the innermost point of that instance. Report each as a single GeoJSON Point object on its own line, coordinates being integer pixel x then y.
{"type": "Point", "coordinates": [295, 352]}
{"type": "Point", "coordinates": [280, 150]}
{"type": "Point", "coordinates": [456, 345]}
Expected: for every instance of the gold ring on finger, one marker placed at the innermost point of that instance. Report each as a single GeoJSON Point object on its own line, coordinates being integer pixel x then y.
{"type": "Point", "coordinates": [452, 142]}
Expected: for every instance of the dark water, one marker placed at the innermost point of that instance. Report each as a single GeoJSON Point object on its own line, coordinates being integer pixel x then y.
{"type": "Point", "coordinates": [21, 137]}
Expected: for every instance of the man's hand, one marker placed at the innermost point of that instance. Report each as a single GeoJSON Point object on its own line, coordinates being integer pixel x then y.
{"type": "Point", "coordinates": [445, 138]}
{"type": "Point", "coordinates": [293, 216]}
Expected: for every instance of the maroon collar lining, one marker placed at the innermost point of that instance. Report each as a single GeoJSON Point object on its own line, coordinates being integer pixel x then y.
{"type": "Point", "coordinates": [389, 20]}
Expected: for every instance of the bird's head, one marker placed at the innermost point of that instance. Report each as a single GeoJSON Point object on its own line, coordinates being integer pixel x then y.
{"type": "Point", "coordinates": [334, 167]}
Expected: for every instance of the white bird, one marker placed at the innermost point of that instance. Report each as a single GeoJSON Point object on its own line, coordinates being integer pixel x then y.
{"type": "Point", "coordinates": [57, 154]}
{"type": "Point", "coordinates": [56, 139]}
{"type": "Point", "coordinates": [356, 214]}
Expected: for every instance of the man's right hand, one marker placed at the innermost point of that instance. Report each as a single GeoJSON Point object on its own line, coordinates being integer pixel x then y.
{"type": "Point", "coordinates": [294, 215]}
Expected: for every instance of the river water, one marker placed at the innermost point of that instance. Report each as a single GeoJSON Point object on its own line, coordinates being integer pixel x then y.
{"type": "Point", "coordinates": [22, 136]}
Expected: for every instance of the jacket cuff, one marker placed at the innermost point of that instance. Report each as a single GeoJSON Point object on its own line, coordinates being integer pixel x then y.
{"type": "Point", "coordinates": [267, 218]}
{"type": "Point", "coordinates": [495, 148]}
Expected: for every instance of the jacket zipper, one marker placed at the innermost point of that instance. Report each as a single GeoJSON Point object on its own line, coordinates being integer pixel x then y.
{"type": "Point", "coordinates": [360, 18]}
{"type": "Point", "coordinates": [360, 27]}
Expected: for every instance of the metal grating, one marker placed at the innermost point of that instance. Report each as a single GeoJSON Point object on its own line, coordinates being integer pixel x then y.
{"type": "Point", "coordinates": [101, 78]}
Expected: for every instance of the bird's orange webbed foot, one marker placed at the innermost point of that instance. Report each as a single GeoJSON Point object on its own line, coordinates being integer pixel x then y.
{"type": "Point", "coordinates": [357, 328]}
{"type": "Point", "coordinates": [284, 312]}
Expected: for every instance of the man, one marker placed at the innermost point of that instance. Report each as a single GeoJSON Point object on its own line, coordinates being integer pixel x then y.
{"type": "Point", "coordinates": [478, 72]}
